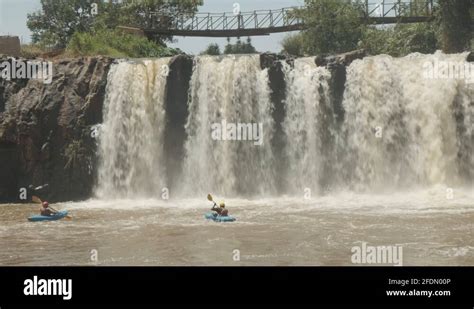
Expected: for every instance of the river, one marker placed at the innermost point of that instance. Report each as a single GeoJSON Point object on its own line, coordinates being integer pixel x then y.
{"type": "Point", "coordinates": [431, 229]}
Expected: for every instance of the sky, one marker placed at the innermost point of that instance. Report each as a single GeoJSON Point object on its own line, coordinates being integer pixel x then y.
{"type": "Point", "coordinates": [13, 15]}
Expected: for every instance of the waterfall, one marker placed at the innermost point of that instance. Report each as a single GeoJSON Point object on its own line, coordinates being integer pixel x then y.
{"type": "Point", "coordinates": [305, 127]}
{"type": "Point", "coordinates": [131, 138]}
{"type": "Point", "coordinates": [401, 125]}
{"type": "Point", "coordinates": [401, 128]}
{"type": "Point", "coordinates": [233, 89]}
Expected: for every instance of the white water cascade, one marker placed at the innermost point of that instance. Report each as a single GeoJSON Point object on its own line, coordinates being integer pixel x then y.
{"type": "Point", "coordinates": [399, 128]}
{"type": "Point", "coordinates": [234, 89]}
{"type": "Point", "coordinates": [307, 94]}
{"type": "Point", "coordinates": [404, 127]}
{"type": "Point", "coordinates": [131, 138]}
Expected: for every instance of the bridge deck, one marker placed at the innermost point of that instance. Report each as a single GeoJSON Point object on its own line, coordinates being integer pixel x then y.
{"type": "Point", "coordinates": [268, 31]}
{"type": "Point", "coordinates": [225, 33]}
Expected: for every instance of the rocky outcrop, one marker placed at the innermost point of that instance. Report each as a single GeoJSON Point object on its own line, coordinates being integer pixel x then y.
{"type": "Point", "coordinates": [276, 77]}
{"type": "Point", "coordinates": [45, 130]}
{"type": "Point", "coordinates": [346, 58]}
{"type": "Point", "coordinates": [337, 66]}
{"type": "Point", "coordinates": [177, 86]}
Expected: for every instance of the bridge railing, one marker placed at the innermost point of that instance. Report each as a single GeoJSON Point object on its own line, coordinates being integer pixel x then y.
{"type": "Point", "coordinates": [228, 21]}
{"type": "Point", "coordinates": [399, 8]}
{"type": "Point", "coordinates": [377, 11]}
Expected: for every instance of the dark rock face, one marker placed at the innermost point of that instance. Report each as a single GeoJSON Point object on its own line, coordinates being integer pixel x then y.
{"type": "Point", "coordinates": [177, 89]}
{"type": "Point", "coordinates": [268, 60]}
{"type": "Point", "coordinates": [344, 59]}
{"type": "Point", "coordinates": [277, 82]}
{"type": "Point", "coordinates": [9, 167]}
{"type": "Point", "coordinates": [45, 130]}
{"type": "Point", "coordinates": [7, 89]}
{"type": "Point", "coordinates": [337, 86]}
{"type": "Point", "coordinates": [337, 66]}
{"type": "Point", "coordinates": [470, 57]}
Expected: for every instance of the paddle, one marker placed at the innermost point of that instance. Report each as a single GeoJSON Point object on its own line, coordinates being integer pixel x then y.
{"type": "Point", "coordinates": [209, 197]}
{"type": "Point", "coordinates": [39, 201]}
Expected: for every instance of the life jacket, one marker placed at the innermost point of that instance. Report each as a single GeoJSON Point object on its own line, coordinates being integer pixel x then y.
{"type": "Point", "coordinates": [46, 211]}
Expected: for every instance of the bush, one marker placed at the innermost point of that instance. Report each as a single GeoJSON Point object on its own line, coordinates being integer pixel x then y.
{"type": "Point", "coordinates": [114, 43]}
{"type": "Point", "coordinates": [212, 50]}
{"type": "Point", "coordinates": [334, 26]}
{"type": "Point", "coordinates": [32, 51]}
{"type": "Point", "coordinates": [240, 47]}
{"type": "Point", "coordinates": [400, 40]}
{"type": "Point", "coordinates": [293, 45]}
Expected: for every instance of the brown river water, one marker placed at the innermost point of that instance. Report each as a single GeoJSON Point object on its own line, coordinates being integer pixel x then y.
{"type": "Point", "coordinates": [431, 229]}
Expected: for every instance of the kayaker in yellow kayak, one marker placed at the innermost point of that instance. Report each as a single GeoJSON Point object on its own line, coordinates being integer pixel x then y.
{"type": "Point", "coordinates": [45, 210]}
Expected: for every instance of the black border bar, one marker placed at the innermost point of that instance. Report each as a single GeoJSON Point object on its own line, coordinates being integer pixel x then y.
{"type": "Point", "coordinates": [240, 285]}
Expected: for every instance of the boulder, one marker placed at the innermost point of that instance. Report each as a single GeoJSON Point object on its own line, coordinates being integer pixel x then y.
{"type": "Point", "coordinates": [48, 126]}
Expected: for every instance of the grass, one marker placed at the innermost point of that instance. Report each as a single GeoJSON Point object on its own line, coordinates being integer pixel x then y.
{"type": "Point", "coordinates": [116, 44]}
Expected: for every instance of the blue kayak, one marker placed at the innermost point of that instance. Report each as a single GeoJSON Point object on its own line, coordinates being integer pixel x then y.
{"type": "Point", "coordinates": [58, 216]}
{"type": "Point", "coordinates": [217, 218]}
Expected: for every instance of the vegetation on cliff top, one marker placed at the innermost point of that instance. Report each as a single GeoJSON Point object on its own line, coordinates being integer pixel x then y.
{"type": "Point", "coordinates": [335, 27]}
{"type": "Point", "coordinates": [238, 48]}
{"type": "Point", "coordinates": [116, 44]}
{"type": "Point", "coordinates": [86, 27]}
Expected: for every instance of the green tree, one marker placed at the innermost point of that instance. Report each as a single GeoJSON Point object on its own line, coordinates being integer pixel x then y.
{"type": "Point", "coordinates": [456, 19]}
{"type": "Point", "coordinates": [401, 40]}
{"type": "Point", "coordinates": [334, 26]}
{"type": "Point", "coordinates": [58, 20]}
{"type": "Point", "coordinates": [212, 50]}
{"type": "Point", "coordinates": [157, 13]}
{"type": "Point", "coordinates": [240, 47]}
{"type": "Point", "coordinates": [293, 45]}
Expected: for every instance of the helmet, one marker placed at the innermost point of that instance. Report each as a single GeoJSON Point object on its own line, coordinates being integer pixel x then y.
{"type": "Point", "coordinates": [222, 204]}
{"type": "Point", "coordinates": [45, 204]}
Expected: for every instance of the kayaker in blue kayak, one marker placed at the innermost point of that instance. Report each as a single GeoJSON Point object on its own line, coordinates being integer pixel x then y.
{"type": "Point", "coordinates": [219, 213]}
{"type": "Point", "coordinates": [45, 210]}
{"type": "Point", "coordinates": [221, 210]}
